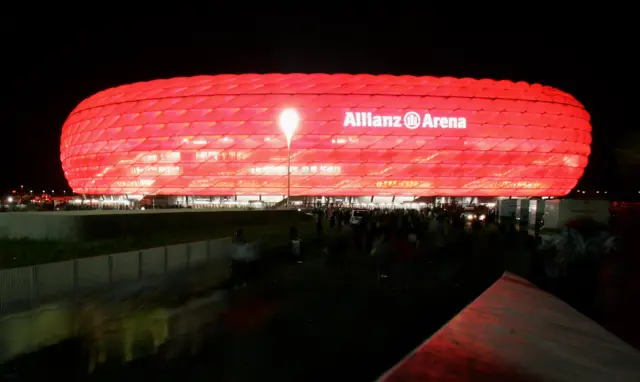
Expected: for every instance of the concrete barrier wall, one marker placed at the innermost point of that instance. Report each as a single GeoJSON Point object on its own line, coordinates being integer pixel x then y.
{"type": "Point", "coordinates": [90, 225]}
{"type": "Point", "coordinates": [45, 226]}
{"type": "Point", "coordinates": [517, 332]}
{"type": "Point", "coordinates": [28, 288]}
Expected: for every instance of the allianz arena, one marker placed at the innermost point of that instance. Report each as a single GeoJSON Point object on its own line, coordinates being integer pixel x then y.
{"type": "Point", "coordinates": [358, 135]}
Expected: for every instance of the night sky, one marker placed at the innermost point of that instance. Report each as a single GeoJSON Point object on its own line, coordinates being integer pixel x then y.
{"type": "Point", "coordinates": [60, 56]}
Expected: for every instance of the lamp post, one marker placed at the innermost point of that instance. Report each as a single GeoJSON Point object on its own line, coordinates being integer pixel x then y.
{"type": "Point", "coordinates": [289, 121]}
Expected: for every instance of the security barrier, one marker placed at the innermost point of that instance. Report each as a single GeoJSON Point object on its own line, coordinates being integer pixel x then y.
{"type": "Point", "coordinates": [29, 288]}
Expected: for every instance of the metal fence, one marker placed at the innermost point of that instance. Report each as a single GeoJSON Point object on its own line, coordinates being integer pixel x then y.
{"type": "Point", "coordinates": [28, 288]}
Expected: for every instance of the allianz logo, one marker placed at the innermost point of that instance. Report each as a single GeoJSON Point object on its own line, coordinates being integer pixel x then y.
{"type": "Point", "coordinates": [411, 120]}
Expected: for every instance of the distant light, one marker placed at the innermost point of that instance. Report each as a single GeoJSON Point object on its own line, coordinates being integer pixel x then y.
{"type": "Point", "coordinates": [289, 121]}
{"type": "Point", "coordinates": [597, 192]}
{"type": "Point", "coordinates": [10, 199]}
{"type": "Point", "coordinates": [605, 192]}
{"type": "Point", "coordinates": [584, 192]}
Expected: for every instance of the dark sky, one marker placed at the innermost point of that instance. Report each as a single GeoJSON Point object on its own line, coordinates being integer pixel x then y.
{"type": "Point", "coordinates": [60, 56]}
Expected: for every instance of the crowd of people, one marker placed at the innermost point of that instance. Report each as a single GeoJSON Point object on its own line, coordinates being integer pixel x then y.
{"type": "Point", "coordinates": [401, 244]}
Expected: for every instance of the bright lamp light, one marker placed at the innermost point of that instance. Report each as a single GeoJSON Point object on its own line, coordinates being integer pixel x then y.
{"type": "Point", "coordinates": [289, 121]}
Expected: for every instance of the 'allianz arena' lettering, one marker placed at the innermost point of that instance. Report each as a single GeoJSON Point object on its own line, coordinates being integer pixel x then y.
{"type": "Point", "coordinates": [411, 120]}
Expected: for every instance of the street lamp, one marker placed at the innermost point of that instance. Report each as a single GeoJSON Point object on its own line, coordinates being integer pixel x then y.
{"type": "Point", "coordinates": [289, 121]}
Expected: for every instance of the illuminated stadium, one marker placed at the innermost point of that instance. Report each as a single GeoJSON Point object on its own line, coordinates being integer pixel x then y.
{"type": "Point", "coordinates": [355, 135]}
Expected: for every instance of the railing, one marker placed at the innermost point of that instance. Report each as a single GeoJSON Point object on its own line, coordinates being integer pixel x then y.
{"type": "Point", "coordinates": [28, 288]}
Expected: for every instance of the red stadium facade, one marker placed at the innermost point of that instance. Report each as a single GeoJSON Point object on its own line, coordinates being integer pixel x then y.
{"type": "Point", "coordinates": [358, 135]}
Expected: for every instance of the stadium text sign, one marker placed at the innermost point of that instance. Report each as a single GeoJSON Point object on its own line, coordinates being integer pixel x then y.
{"type": "Point", "coordinates": [411, 120]}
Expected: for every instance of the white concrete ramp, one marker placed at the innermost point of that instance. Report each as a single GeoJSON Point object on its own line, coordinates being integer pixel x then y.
{"type": "Point", "coordinates": [516, 332]}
